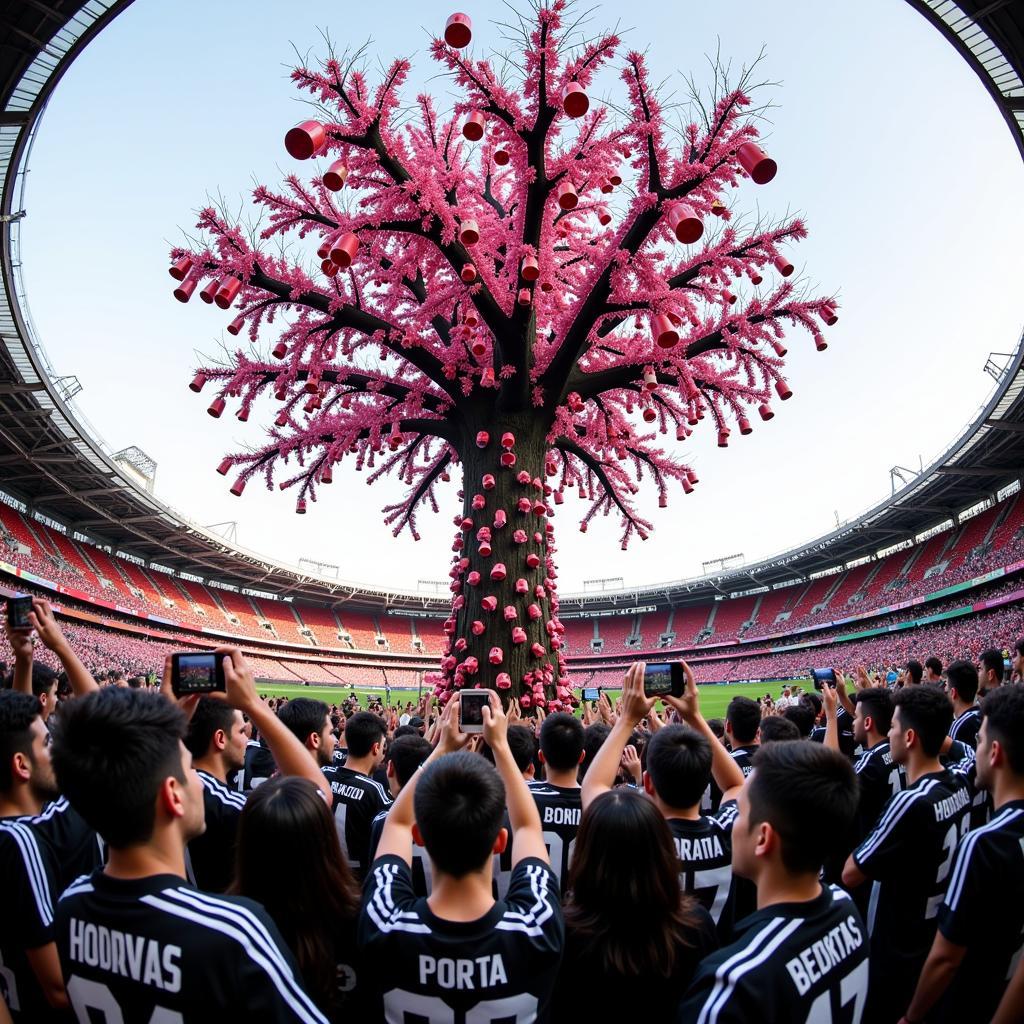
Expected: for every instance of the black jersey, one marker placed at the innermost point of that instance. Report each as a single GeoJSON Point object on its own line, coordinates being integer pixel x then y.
{"type": "Point", "coordinates": [259, 763]}
{"type": "Point", "coordinates": [422, 879]}
{"type": "Point", "coordinates": [966, 725]}
{"type": "Point", "coordinates": [560, 810]}
{"type": "Point", "coordinates": [879, 778]}
{"type": "Point", "coordinates": [499, 969]}
{"type": "Point", "coordinates": [212, 855]}
{"type": "Point", "coordinates": [358, 799]}
{"type": "Point", "coordinates": [743, 756]}
{"type": "Point", "coordinates": [155, 949]}
{"type": "Point", "coordinates": [984, 911]}
{"type": "Point", "coordinates": [704, 848]}
{"type": "Point", "coordinates": [844, 727]}
{"type": "Point", "coordinates": [791, 962]}
{"type": "Point", "coordinates": [908, 856]}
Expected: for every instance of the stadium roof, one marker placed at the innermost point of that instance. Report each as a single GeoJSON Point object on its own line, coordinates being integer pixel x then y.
{"type": "Point", "coordinates": [52, 461]}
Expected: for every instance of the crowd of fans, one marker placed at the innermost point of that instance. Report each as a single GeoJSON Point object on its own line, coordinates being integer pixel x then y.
{"type": "Point", "coordinates": [851, 852]}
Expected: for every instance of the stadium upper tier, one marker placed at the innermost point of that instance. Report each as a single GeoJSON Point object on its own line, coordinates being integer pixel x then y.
{"type": "Point", "coordinates": [51, 463]}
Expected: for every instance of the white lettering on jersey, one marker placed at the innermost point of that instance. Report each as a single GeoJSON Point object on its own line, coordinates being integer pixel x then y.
{"type": "Point", "coordinates": [952, 804]}
{"type": "Point", "coordinates": [562, 815]}
{"type": "Point", "coordinates": [824, 954]}
{"type": "Point", "coordinates": [131, 956]}
{"type": "Point", "coordinates": [352, 792]}
{"type": "Point", "coordinates": [701, 848]}
{"type": "Point", "coordinates": [463, 974]}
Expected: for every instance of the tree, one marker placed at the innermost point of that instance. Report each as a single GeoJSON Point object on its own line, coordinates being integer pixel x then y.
{"type": "Point", "coordinates": [523, 291]}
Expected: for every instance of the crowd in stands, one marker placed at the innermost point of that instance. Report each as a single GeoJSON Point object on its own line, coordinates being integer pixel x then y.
{"type": "Point", "coordinates": [173, 855]}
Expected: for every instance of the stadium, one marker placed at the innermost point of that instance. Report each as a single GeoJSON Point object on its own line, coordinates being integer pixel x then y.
{"type": "Point", "coordinates": [934, 569]}
{"type": "Point", "coordinates": [944, 554]}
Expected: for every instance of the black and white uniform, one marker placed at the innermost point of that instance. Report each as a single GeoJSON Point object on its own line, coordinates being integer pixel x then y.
{"type": "Point", "coordinates": [155, 949]}
{"type": "Point", "coordinates": [792, 962]}
{"type": "Point", "coordinates": [560, 811]}
{"type": "Point", "coordinates": [422, 879]}
{"type": "Point", "coordinates": [212, 855]}
{"type": "Point", "coordinates": [500, 969]}
{"type": "Point", "coordinates": [358, 799]}
{"type": "Point", "coordinates": [259, 764]}
{"type": "Point", "coordinates": [984, 911]}
{"type": "Point", "coordinates": [39, 856]}
{"type": "Point", "coordinates": [704, 848]}
{"type": "Point", "coordinates": [879, 778]}
{"type": "Point", "coordinates": [908, 855]}
{"type": "Point", "coordinates": [743, 756]}
{"type": "Point", "coordinates": [966, 725]}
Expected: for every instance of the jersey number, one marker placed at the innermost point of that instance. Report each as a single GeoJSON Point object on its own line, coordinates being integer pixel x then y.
{"type": "Point", "coordinates": [853, 987]}
{"type": "Point", "coordinates": [895, 781]}
{"type": "Point", "coordinates": [553, 841]}
{"type": "Point", "coordinates": [949, 846]}
{"type": "Point", "coordinates": [400, 1006]}
{"type": "Point", "coordinates": [88, 995]}
{"type": "Point", "coordinates": [718, 880]}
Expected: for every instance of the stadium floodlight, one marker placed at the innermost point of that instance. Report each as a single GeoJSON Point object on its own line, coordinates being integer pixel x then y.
{"type": "Point", "coordinates": [555, 331]}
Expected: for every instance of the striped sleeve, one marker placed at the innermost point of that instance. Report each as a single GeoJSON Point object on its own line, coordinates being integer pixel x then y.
{"type": "Point", "coordinates": [28, 900]}
{"type": "Point", "coordinates": [885, 845]}
{"type": "Point", "coordinates": [265, 982]}
{"type": "Point", "coordinates": [534, 905]}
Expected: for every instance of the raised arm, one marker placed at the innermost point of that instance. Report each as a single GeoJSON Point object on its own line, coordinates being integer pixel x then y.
{"type": "Point", "coordinates": [600, 776]}
{"type": "Point", "coordinates": [21, 647]}
{"type": "Point", "coordinates": [45, 625]}
{"type": "Point", "coordinates": [291, 756]}
{"type": "Point", "coordinates": [527, 833]}
{"type": "Point", "coordinates": [726, 772]}
{"type": "Point", "coordinates": [830, 701]}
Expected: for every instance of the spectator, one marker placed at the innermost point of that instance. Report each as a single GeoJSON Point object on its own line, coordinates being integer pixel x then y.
{"type": "Point", "coordinates": [120, 760]}
{"type": "Point", "coordinates": [358, 798]}
{"type": "Point", "coordinates": [798, 801]}
{"type": "Point", "coordinates": [972, 955]}
{"type": "Point", "coordinates": [990, 670]}
{"type": "Point", "coordinates": [962, 682]}
{"type": "Point", "coordinates": [933, 670]}
{"type": "Point", "coordinates": [800, 714]}
{"type": "Point", "coordinates": [914, 672]}
{"type": "Point", "coordinates": [775, 728]}
{"type": "Point", "coordinates": [918, 826]}
{"type": "Point", "coordinates": [523, 744]}
{"type": "Point", "coordinates": [461, 946]}
{"type": "Point", "coordinates": [286, 822]}
{"type": "Point", "coordinates": [742, 721]}
{"type": "Point", "coordinates": [1017, 664]}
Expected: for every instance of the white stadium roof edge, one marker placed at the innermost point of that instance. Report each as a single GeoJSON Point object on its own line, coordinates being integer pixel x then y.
{"type": "Point", "coordinates": [53, 461]}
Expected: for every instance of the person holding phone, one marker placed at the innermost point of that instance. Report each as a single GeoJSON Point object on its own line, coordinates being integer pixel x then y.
{"type": "Point", "coordinates": [461, 951]}
{"type": "Point", "coordinates": [217, 740]}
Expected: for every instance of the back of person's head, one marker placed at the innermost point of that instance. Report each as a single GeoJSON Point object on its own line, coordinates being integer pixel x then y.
{"type": "Point", "coordinates": [303, 716]}
{"type": "Point", "coordinates": [808, 794]}
{"type": "Point", "coordinates": [523, 745]}
{"type": "Point", "coordinates": [112, 752]}
{"type": "Point", "coordinates": [407, 753]}
{"type": "Point", "coordinates": [679, 765]}
{"type": "Point", "coordinates": [136, 682]}
{"type": "Point", "coordinates": [593, 739]}
{"type": "Point", "coordinates": [717, 726]}
{"type": "Point", "coordinates": [287, 822]}
{"type": "Point", "coordinates": [992, 661]}
{"type": "Point", "coordinates": [915, 670]}
{"type": "Point", "coordinates": [624, 907]}
{"type": "Point", "coordinates": [776, 729]}
{"type": "Point", "coordinates": [44, 679]}
{"type": "Point", "coordinates": [928, 711]}
{"type": "Point", "coordinates": [459, 806]}
{"type": "Point", "coordinates": [17, 713]}
{"type": "Point", "coordinates": [933, 665]}
{"type": "Point", "coordinates": [1002, 711]}
{"type": "Point", "coordinates": [813, 701]}
{"type": "Point", "coordinates": [210, 716]}
{"type": "Point", "coordinates": [362, 731]}
{"type": "Point", "coordinates": [876, 704]}
{"type": "Point", "coordinates": [561, 741]}
{"type": "Point", "coordinates": [800, 715]}
{"type": "Point", "coordinates": [744, 718]}
{"type": "Point", "coordinates": [1019, 647]}
{"type": "Point", "coordinates": [405, 730]}
{"type": "Point", "coordinates": [962, 676]}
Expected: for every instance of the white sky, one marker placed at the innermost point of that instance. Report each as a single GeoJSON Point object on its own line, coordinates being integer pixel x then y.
{"type": "Point", "coordinates": [886, 143]}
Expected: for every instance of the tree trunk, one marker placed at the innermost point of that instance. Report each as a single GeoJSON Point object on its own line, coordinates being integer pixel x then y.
{"type": "Point", "coordinates": [525, 599]}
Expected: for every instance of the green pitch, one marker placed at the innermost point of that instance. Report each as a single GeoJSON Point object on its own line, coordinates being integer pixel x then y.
{"type": "Point", "coordinates": [713, 699]}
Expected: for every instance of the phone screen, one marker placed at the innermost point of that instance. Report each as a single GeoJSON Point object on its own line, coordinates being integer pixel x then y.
{"type": "Point", "coordinates": [660, 680]}
{"type": "Point", "coordinates": [196, 673]}
{"type": "Point", "coordinates": [591, 693]}
{"type": "Point", "coordinates": [17, 612]}
{"type": "Point", "coordinates": [471, 710]}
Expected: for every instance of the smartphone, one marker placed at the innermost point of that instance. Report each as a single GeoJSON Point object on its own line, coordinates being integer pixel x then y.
{"type": "Point", "coordinates": [665, 679]}
{"type": "Point", "coordinates": [196, 673]}
{"type": "Point", "coordinates": [18, 608]}
{"type": "Point", "coordinates": [821, 676]}
{"type": "Point", "coordinates": [591, 693]}
{"type": "Point", "coordinates": [471, 710]}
